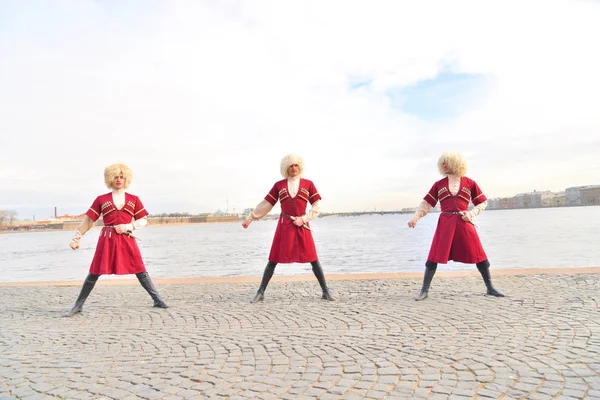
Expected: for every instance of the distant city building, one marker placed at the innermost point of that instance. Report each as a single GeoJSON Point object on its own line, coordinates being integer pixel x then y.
{"type": "Point", "coordinates": [534, 199]}
{"type": "Point", "coordinates": [537, 199]}
{"type": "Point", "coordinates": [558, 200]}
{"type": "Point", "coordinates": [548, 198]}
{"type": "Point", "coordinates": [590, 195]}
{"type": "Point", "coordinates": [507, 202]}
{"type": "Point", "coordinates": [573, 195]}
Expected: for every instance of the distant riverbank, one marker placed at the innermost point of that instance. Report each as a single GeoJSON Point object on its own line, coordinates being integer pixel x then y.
{"type": "Point", "coordinates": [60, 226]}
{"type": "Point", "coordinates": [50, 226]}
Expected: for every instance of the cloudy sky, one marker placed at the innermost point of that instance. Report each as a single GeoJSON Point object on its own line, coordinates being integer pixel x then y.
{"type": "Point", "coordinates": [203, 98]}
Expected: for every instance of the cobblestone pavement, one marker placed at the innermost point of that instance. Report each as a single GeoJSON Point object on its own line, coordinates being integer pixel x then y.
{"type": "Point", "coordinates": [375, 342]}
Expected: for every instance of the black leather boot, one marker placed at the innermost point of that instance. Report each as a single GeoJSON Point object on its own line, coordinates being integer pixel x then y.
{"type": "Point", "coordinates": [484, 270]}
{"type": "Point", "coordinates": [146, 282]}
{"type": "Point", "coordinates": [267, 275]}
{"type": "Point", "coordinates": [86, 289]}
{"type": "Point", "coordinates": [430, 268]}
{"type": "Point", "coordinates": [318, 271]}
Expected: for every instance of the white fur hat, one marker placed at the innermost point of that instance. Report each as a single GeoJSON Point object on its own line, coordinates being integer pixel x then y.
{"type": "Point", "coordinates": [291, 159]}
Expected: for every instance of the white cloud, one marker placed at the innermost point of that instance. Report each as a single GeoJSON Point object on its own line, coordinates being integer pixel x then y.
{"type": "Point", "coordinates": [202, 99]}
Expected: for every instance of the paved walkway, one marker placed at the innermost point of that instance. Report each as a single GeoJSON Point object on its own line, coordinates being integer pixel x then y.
{"type": "Point", "coordinates": [375, 342]}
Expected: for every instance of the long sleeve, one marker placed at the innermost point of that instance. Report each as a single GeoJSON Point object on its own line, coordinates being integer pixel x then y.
{"type": "Point", "coordinates": [83, 227]}
{"type": "Point", "coordinates": [260, 210]}
{"type": "Point", "coordinates": [315, 210]}
{"type": "Point", "coordinates": [475, 211]}
{"type": "Point", "coordinates": [139, 223]}
{"type": "Point", "coordinates": [422, 210]}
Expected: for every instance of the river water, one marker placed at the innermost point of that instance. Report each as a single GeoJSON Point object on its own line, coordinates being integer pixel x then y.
{"type": "Point", "coordinates": [535, 238]}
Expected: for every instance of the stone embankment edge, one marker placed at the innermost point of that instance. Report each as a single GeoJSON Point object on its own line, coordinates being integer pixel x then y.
{"type": "Point", "coordinates": [330, 277]}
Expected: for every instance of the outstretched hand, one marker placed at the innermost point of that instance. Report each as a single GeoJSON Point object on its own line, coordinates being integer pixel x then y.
{"type": "Point", "coordinates": [74, 245]}
{"type": "Point", "coordinates": [412, 223]}
{"type": "Point", "coordinates": [246, 223]}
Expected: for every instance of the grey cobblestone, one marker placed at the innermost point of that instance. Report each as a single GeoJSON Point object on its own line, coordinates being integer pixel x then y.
{"type": "Point", "coordinates": [375, 342]}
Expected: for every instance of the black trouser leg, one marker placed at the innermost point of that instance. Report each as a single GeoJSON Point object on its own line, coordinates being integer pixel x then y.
{"type": "Point", "coordinates": [318, 271]}
{"type": "Point", "coordinates": [484, 270]}
{"type": "Point", "coordinates": [430, 268]}
{"type": "Point", "coordinates": [147, 284]}
{"type": "Point", "coordinates": [267, 275]}
{"type": "Point", "coordinates": [86, 289]}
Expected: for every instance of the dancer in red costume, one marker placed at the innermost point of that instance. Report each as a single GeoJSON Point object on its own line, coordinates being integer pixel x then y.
{"type": "Point", "coordinates": [117, 251]}
{"type": "Point", "coordinates": [293, 241]}
{"type": "Point", "coordinates": [455, 237]}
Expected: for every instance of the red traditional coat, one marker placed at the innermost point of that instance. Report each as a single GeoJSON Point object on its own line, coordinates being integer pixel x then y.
{"type": "Point", "coordinates": [116, 253]}
{"type": "Point", "coordinates": [293, 243]}
{"type": "Point", "coordinates": [454, 238]}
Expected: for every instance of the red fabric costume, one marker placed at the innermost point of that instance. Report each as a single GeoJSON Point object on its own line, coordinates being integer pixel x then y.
{"type": "Point", "coordinates": [454, 238]}
{"type": "Point", "coordinates": [292, 243]}
{"type": "Point", "coordinates": [116, 253]}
